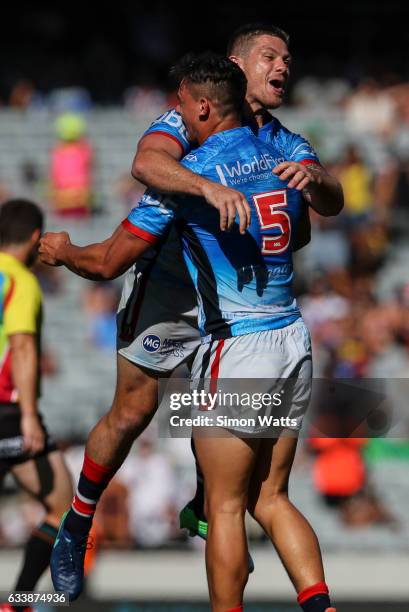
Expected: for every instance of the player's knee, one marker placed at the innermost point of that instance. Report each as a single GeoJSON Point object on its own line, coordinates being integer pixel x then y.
{"type": "Point", "coordinates": [135, 400]}
{"type": "Point", "coordinates": [266, 504]}
{"type": "Point", "coordinates": [127, 418]}
{"type": "Point", "coordinates": [216, 505]}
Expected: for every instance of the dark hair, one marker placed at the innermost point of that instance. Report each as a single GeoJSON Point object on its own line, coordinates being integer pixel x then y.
{"type": "Point", "coordinates": [18, 220]}
{"type": "Point", "coordinates": [241, 38]}
{"type": "Point", "coordinates": [221, 79]}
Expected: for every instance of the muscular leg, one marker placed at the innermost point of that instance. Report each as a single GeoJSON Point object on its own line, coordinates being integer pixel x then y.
{"type": "Point", "coordinates": [134, 405]}
{"type": "Point", "coordinates": [109, 442]}
{"type": "Point", "coordinates": [290, 532]}
{"type": "Point", "coordinates": [48, 480]}
{"type": "Point", "coordinates": [227, 464]}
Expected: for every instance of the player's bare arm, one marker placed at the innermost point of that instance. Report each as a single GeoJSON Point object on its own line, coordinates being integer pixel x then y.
{"type": "Point", "coordinates": [24, 368]}
{"type": "Point", "coordinates": [156, 164]}
{"type": "Point", "coordinates": [100, 261]}
{"type": "Point", "coordinates": [321, 190]}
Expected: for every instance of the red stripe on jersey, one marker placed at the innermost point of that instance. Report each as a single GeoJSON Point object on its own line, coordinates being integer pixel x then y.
{"type": "Point", "coordinates": [6, 378]}
{"type": "Point", "coordinates": [140, 233]}
{"type": "Point", "coordinates": [10, 292]}
{"type": "Point", "coordinates": [160, 133]}
{"type": "Point", "coordinates": [316, 589]}
{"type": "Point", "coordinates": [214, 370]}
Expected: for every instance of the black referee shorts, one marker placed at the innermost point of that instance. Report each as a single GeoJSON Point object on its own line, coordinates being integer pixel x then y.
{"type": "Point", "coordinates": [11, 440]}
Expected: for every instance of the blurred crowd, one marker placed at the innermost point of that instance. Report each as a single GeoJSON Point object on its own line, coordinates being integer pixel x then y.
{"type": "Point", "coordinates": [352, 286]}
{"type": "Point", "coordinates": [358, 319]}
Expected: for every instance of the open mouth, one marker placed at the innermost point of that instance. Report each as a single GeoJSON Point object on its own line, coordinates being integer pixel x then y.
{"type": "Point", "coordinates": [278, 85]}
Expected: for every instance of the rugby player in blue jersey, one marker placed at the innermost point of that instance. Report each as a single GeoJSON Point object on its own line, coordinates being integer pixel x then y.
{"type": "Point", "coordinates": [157, 329]}
{"type": "Point", "coordinates": [157, 321]}
{"type": "Point", "coordinates": [255, 321]}
{"type": "Point", "coordinates": [262, 52]}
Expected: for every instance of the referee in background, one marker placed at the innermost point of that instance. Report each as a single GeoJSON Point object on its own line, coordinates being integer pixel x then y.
{"type": "Point", "coordinates": [26, 449]}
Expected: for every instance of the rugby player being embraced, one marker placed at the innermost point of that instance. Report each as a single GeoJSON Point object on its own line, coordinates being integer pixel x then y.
{"type": "Point", "coordinates": [161, 306]}
{"type": "Point", "coordinates": [258, 324]}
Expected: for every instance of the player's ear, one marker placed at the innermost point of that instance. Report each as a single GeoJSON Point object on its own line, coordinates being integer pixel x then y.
{"type": "Point", "coordinates": [204, 108]}
{"type": "Point", "coordinates": [236, 60]}
{"type": "Point", "coordinates": [35, 236]}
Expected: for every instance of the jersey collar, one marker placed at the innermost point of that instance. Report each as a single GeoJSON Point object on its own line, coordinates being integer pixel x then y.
{"type": "Point", "coordinates": [267, 127]}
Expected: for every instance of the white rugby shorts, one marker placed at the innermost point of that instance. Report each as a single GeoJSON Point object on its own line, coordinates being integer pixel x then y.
{"type": "Point", "coordinates": [280, 360]}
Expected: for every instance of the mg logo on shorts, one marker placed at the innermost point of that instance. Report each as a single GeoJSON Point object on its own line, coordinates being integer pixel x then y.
{"type": "Point", "coordinates": [151, 343]}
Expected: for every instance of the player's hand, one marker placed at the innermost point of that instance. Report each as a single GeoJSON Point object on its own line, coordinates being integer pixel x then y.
{"type": "Point", "coordinates": [33, 433]}
{"type": "Point", "coordinates": [51, 245]}
{"type": "Point", "coordinates": [228, 202]}
{"type": "Point", "coordinates": [298, 175]}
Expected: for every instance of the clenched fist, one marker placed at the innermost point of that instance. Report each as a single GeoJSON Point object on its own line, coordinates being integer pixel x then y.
{"type": "Point", "coordinates": [51, 247]}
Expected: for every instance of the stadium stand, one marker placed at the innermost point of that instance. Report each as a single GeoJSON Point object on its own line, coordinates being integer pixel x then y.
{"type": "Point", "coordinates": [81, 389]}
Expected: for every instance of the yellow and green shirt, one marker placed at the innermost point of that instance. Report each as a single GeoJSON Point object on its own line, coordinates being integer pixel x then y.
{"type": "Point", "coordinates": [20, 313]}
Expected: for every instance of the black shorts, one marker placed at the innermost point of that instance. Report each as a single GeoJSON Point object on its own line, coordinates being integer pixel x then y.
{"type": "Point", "coordinates": [11, 439]}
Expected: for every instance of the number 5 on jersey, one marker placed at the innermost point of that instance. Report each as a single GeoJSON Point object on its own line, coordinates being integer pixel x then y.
{"type": "Point", "coordinates": [268, 207]}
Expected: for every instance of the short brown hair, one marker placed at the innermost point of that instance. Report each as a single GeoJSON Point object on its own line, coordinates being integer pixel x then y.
{"type": "Point", "coordinates": [241, 38]}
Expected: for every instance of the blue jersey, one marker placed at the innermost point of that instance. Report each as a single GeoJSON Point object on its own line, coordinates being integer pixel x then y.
{"type": "Point", "coordinates": [292, 147]}
{"type": "Point", "coordinates": [170, 124]}
{"type": "Point", "coordinates": [243, 282]}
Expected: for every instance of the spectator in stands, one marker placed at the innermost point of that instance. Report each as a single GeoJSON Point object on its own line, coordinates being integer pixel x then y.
{"type": "Point", "coordinates": [71, 168]}
{"type": "Point", "coordinates": [341, 478]}
{"type": "Point", "coordinates": [31, 183]}
{"type": "Point", "coordinates": [322, 303]}
{"type": "Point", "coordinates": [152, 489]}
{"type": "Point", "coordinates": [368, 247]}
{"type": "Point", "coordinates": [371, 110]}
{"type": "Point", "coordinates": [329, 251]}
{"type": "Point", "coordinates": [145, 98]}
{"type": "Point", "coordinates": [356, 180]}
{"type": "Point", "coordinates": [24, 95]}
{"type": "Point", "coordinates": [100, 304]}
